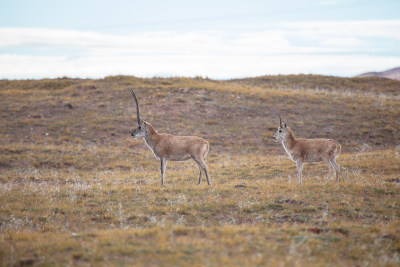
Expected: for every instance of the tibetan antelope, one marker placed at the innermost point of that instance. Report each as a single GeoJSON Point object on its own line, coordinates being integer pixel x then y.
{"type": "Point", "coordinates": [303, 150]}
{"type": "Point", "coordinates": [169, 147]}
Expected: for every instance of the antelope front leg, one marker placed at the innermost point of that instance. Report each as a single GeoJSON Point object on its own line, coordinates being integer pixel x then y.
{"type": "Point", "coordinates": [163, 166]}
{"type": "Point", "coordinates": [299, 170]}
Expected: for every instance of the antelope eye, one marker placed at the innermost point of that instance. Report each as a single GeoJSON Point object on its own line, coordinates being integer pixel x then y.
{"type": "Point", "coordinates": [140, 127]}
{"type": "Point", "coordinates": [280, 131]}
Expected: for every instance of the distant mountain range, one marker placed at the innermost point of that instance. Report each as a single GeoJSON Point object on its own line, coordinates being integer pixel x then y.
{"type": "Point", "coordinates": [390, 74]}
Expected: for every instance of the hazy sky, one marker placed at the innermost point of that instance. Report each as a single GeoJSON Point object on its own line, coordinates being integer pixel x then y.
{"type": "Point", "coordinates": [216, 39]}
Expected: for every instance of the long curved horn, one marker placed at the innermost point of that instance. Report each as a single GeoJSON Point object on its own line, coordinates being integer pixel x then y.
{"type": "Point", "coordinates": [137, 106]}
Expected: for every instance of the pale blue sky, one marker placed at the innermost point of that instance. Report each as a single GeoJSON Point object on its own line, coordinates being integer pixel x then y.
{"type": "Point", "coordinates": [218, 39]}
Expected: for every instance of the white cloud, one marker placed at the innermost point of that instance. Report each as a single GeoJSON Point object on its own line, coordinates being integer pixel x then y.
{"type": "Point", "coordinates": [333, 48]}
{"type": "Point", "coordinates": [223, 66]}
{"type": "Point", "coordinates": [367, 28]}
{"type": "Point", "coordinates": [343, 42]}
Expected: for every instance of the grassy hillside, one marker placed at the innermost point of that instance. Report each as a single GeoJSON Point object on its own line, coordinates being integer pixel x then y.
{"type": "Point", "coordinates": [234, 117]}
{"type": "Point", "coordinates": [356, 85]}
{"type": "Point", "coordinates": [76, 189]}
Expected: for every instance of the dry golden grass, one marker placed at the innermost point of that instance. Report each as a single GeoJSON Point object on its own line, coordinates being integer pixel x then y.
{"type": "Point", "coordinates": [253, 214]}
{"type": "Point", "coordinates": [76, 190]}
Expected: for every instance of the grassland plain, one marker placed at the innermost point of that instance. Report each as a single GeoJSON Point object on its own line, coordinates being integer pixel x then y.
{"type": "Point", "coordinates": [75, 189]}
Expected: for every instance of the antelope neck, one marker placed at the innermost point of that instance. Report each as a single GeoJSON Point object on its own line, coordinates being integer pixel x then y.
{"type": "Point", "coordinates": [151, 136]}
{"type": "Point", "coordinates": [289, 141]}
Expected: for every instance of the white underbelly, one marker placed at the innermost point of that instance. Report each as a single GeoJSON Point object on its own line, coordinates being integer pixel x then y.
{"type": "Point", "coordinates": [178, 158]}
{"type": "Point", "coordinates": [312, 158]}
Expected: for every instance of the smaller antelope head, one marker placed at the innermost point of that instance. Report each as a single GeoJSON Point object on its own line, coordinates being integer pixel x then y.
{"type": "Point", "coordinates": [139, 131]}
{"type": "Point", "coordinates": [282, 132]}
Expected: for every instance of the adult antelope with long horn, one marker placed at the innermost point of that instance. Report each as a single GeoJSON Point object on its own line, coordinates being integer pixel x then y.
{"type": "Point", "coordinates": [303, 150]}
{"type": "Point", "coordinates": [169, 147]}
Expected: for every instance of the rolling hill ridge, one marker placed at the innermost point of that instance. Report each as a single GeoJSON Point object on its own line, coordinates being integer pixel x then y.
{"type": "Point", "coordinates": [390, 74]}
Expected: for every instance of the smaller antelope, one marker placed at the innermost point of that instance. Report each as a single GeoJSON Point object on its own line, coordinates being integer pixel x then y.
{"type": "Point", "coordinates": [169, 147]}
{"type": "Point", "coordinates": [303, 150]}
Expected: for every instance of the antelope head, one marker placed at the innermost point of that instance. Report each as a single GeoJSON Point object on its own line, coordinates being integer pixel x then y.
{"type": "Point", "coordinates": [140, 130]}
{"type": "Point", "coordinates": [280, 135]}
